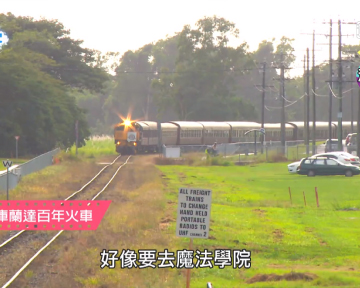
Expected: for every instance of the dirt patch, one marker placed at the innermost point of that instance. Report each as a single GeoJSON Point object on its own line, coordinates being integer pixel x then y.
{"type": "Point", "coordinates": [244, 163]}
{"type": "Point", "coordinates": [168, 161]}
{"type": "Point", "coordinates": [350, 209]}
{"type": "Point", "coordinates": [322, 242]}
{"type": "Point", "coordinates": [292, 276]}
{"type": "Point", "coordinates": [164, 226]}
{"type": "Point", "coordinates": [212, 238]}
{"type": "Point", "coordinates": [277, 235]}
{"type": "Point", "coordinates": [259, 212]}
{"type": "Point", "coordinates": [167, 220]}
{"type": "Point", "coordinates": [317, 267]}
{"type": "Point", "coordinates": [311, 230]}
{"type": "Point", "coordinates": [147, 159]}
{"type": "Point", "coordinates": [181, 177]}
{"type": "Point", "coordinates": [106, 159]}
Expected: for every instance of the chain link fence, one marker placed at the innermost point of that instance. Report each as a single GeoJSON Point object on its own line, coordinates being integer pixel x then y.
{"type": "Point", "coordinates": [293, 150]}
{"type": "Point", "coordinates": [27, 168]}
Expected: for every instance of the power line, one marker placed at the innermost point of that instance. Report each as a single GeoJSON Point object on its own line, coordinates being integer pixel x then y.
{"type": "Point", "coordinates": [282, 94]}
{"type": "Point", "coordinates": [280, 107]}
{"type": "Point", "coordinates": [263, 103]}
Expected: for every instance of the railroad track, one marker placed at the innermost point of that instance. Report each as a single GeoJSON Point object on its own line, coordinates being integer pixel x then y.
{"type": "Point", "coordinates": [28, 241]}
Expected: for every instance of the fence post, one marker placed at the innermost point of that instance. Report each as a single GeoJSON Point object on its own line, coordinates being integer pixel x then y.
{"type": "Point", "coordinates": [317, 197]}
{"type": "Point", "coordinates": [290, 196]}
{"type": "Point", "coordinates": [297, 151]}
{"type": "Point", "coordinates": [287, 151]}
{"type": "Point", "coordinates": [266, 152]}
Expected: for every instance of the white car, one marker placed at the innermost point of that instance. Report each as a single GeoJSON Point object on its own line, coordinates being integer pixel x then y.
{"type": "Point", "coordinates": [343, 157]}
{"type": "Point", "coordinates": [293, 166]}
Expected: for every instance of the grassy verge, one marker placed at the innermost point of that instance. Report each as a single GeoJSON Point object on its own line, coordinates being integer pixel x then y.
{"type": "Point", "coordinates": [135, 220]}
{"type": "Point", "coordinates": [55, 182]}
{"type": "Point", "coordinates": [96, 146]}
{"type": "Point", "coordinates": [251, 210]}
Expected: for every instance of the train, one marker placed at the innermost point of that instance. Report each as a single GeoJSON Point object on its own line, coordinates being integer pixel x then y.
{"type": "Point", "coordinates": [133, 137]}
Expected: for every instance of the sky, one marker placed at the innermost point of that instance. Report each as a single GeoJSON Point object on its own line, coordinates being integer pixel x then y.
{"type": "Point", "coordinates": [118, 26]}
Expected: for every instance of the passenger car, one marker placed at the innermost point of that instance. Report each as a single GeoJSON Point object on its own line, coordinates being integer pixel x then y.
{"type": "Point", "coordinates": [352, 145]}
{"type": "Point", "coordinates": [147, 136]}
{"type": "Point", "coordinates": [331, 145]}
{"type": "Point", "coordinates": [343, 157]}
{"type": "Point", "coordinates": [312, 166]}
{"type": "Point", "coordinates": [293, 166]}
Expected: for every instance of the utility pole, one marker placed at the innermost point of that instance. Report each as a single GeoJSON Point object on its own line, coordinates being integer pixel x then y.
{"type": "Point", "coordinates": [340, 147]}
{"type": "Point", "coordinates": [77, 135]}
{"type": "Point", "coordinates": [331, 74]}
{"type": "Point", "coordinates": [282, 91]}
{"type": "Point", "coordinates": [358, 128]}
{"type": "Point", "coordinates": [352, 99]}
{"type": "Point", "coordinates": [263, 86]}
{"type": "Point", "coordinates": [282, 96]}
{"type": "Point", "coordinates": [263, 99]}
{"type": "Point", "coordinates": [307, 102]}
{"type": "Point", "coordinates": [262, 108]}
{"type": "Point", "coordinates": [305, 120]}
{"type": "Point", "coordinates": [314, 102]}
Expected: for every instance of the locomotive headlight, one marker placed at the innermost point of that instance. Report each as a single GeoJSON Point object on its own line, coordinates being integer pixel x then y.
{"type": "Point", "coordinates": [135, 144]}
{"type": "Point", "coordinates": [118, 143]}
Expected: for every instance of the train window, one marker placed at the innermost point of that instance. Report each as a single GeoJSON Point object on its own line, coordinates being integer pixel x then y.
{"type": "Point", "coordinates": [120, 128]}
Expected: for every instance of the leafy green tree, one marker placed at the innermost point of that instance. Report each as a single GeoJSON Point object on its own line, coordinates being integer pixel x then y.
{"type": "Point", "coordinates": [204, 76]}
{"type": "Point", "coordinates": [75, 66]}
{"type": "Point", "coordinates": [35, 81]}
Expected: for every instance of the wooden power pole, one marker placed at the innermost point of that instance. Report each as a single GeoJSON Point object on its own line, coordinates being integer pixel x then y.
{"type": "Point", "coordinates": [314, 97]}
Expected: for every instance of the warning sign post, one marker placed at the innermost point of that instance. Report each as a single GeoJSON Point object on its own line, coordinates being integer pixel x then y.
{"type": "Point", "coordinates": [193, 218]}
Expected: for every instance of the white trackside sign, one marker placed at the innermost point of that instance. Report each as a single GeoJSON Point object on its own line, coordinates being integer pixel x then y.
{"type": "Point", "coordinates": [131, 136]}
{"type": "Point", "coordinates": [193, 219]}
{"type": "Point", "coordinates": [7, 164]}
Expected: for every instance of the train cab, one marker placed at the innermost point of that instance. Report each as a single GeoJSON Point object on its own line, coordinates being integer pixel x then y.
{"type": "Point", "coordinates": [126, 137]}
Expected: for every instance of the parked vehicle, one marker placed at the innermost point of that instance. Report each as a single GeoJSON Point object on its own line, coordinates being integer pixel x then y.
{"type": "Point", "coordinates": [331, 145]}
{"type": "Point", "coordinates": [347, 139]}
{"type": "Point", "coordinates": [352, 145]}
{"type": "Point", "coordinates": [312, 166]}
{"type": "Point", "coordinates": [293, 166]}
{"type": "Point", "coordinates": [343, 157]}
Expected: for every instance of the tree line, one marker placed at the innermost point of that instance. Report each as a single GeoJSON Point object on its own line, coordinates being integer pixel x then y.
{"type": "Point", "coordinates": [49, 81]}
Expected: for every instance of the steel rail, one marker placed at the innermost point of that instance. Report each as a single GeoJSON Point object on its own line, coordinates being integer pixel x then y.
{"type": "Point", "coordinates": [58, 234]}
{"type": "Point", "coordinates": [72, 195]}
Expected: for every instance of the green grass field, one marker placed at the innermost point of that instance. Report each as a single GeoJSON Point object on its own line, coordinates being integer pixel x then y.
{"type": "Point", "coordinates": [96, 146]}
{"type": "Point", "coordinates": [251, 210]}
